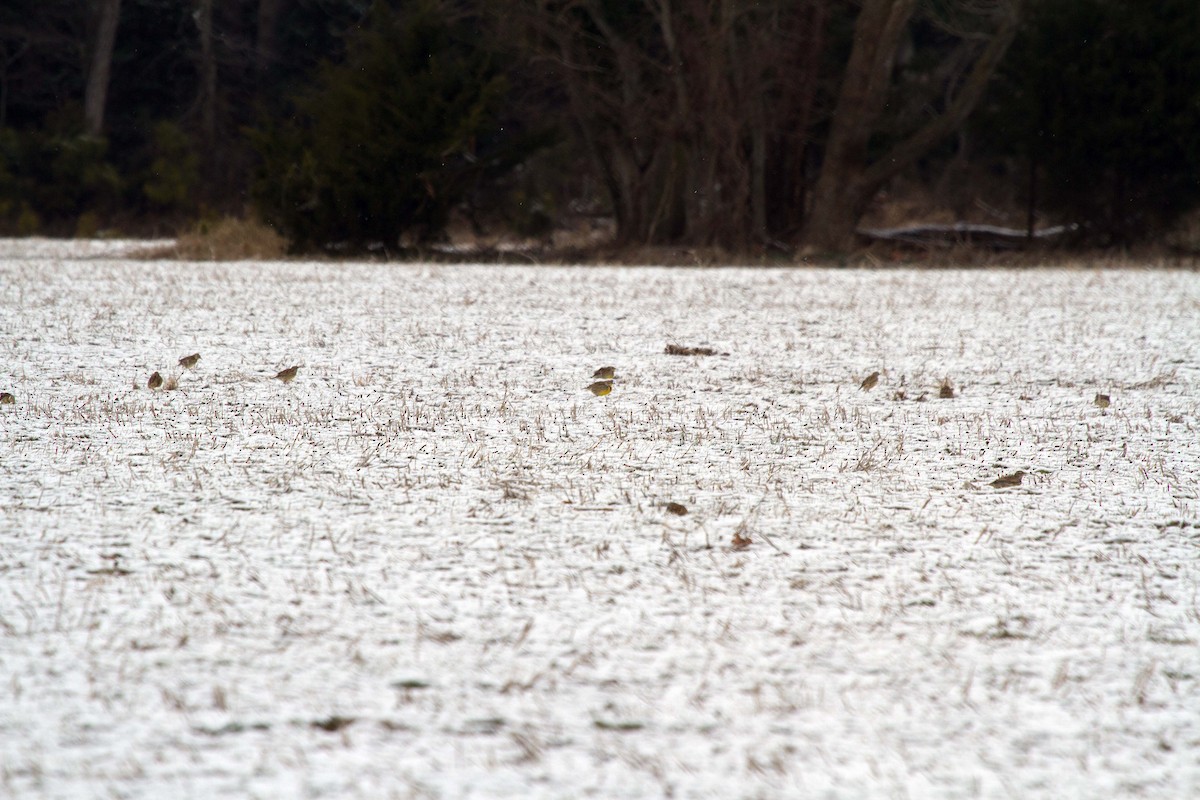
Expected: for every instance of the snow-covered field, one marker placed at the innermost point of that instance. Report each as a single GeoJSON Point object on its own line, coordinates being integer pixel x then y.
{"type": "Point", "coordinates": [434, 566]}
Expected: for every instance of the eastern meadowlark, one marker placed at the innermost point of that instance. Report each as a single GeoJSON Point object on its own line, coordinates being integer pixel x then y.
{"type": "Point", "coordinates": [7, 399]}
{"type": "Point", "coordinates": [605, 373]}
{"type": "Point", "coordinates": [1009, 481]}
{"type": "Point", "coordinates": [1102, 401]}
{"type": "Point", "coordinates": [869, 382]}
{"type": "Point", "coordinates": [187, 362]}
{"type": "Point", "coordinates": [600, 388]}
{"type": "Point", "coordinates": [155, 381]}
{"type": "Point", "coordinates": [287, 375]}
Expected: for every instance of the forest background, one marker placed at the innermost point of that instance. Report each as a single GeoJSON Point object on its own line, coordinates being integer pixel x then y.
{"type": "Point", "coordinates": [768, 126]}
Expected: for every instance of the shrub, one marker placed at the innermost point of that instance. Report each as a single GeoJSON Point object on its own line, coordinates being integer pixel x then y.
{"type": "Point", "coordinates": [228, 239]}
{"type": "Point", "coordinates": [54, 176]}
{"type": "Point", "coordinates": [87, 226]}
{"type": "Point", "coordinates": [389, 142]}
{"type": "Point", "coordinates": [28, 222]}
{"type": "Point", "coordinates": [175, 171]}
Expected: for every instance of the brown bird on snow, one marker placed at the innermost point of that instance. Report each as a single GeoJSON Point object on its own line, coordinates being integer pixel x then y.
{"type": "Point", "coordinates": [287, 375]}
{"type": "Point", "coordinates": [605, 373]}
{"type": "Point", "coordinates": [7, 399]}
{"type": "Point", "coordinates": [187, 362]}
{"type": "Point", "coordinates": [600, 388]}
{"type": "Point", "coordinates": [155, 381]}
{"type": "Point", "coordinates": [869, 382]}
{"type": "Point", "coordinates": [1008, 481]}
{"type": "Point", "coordinates": [1102, 401]}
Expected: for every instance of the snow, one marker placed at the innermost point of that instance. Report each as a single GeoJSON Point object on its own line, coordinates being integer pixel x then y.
{"type": "Point", "coordinates": [36, 247]}
{"type": "Point", "coordinates": [435, 566]}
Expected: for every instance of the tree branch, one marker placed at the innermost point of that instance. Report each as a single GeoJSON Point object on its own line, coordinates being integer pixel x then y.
{"type": "Point", "coordinates": [920, 142]}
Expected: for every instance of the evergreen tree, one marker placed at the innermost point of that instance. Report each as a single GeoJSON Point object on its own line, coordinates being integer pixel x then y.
{"type": "Point", "coordinates": [389, 141]}
{"type": "Point", "coordinates": [1102, 98]}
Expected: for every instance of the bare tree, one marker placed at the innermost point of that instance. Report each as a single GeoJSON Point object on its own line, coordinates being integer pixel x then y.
{"type": "Point", "coordinates": [682, 106]}
{"type": "Point", "coordinates": [849, 178]}
{"type": "Point", "coordinates": [107, 15]}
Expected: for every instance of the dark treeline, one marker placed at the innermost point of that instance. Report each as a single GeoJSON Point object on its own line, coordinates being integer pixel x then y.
{"type": "Point", "coordinates": [731, 123]}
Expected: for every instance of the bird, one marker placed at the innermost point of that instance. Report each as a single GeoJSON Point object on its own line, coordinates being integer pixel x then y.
{"type": "Point", "coordinates": [600, 388]}
{"type": "Point", "coordinates": [287, 375]}
{"type": "Point", "coordinates": [605, 373]}
{"type": "Point", "coordinates": [1102, 401]}
{"type": "Point", "coordinates": [678, 509]}
{"type": "Point", "coordinates": [1008, 481]}
{"type": "Point", "coordinates": [7, 398]}
{"type": "Point", "coordinates": [155, 381]}
{"type": "Point", "coordinates": [946, 390]}
{"type": "Point", "coordinates": [187, 362]}
{"type": "Point", "coordinates": [869, 382]}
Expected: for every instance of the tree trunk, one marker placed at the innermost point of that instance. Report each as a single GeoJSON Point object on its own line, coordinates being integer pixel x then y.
{"type": "Point", "coordinates": [6, 61]}
{"type": "Point", "coordinates": [841, 196]}
{"type": "Point", "coordinates": [208, 74]}
{"type": "Point", "coordinates": [266, 37]}
{"type": "Point", "coordinates": [847, 181]}
{"type": "Point", "coordinates": [1031, 200]}
{"type": "Point", "coordinates": [95, 98]}
{"type": "Point", "coordinates": [758, 181]}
